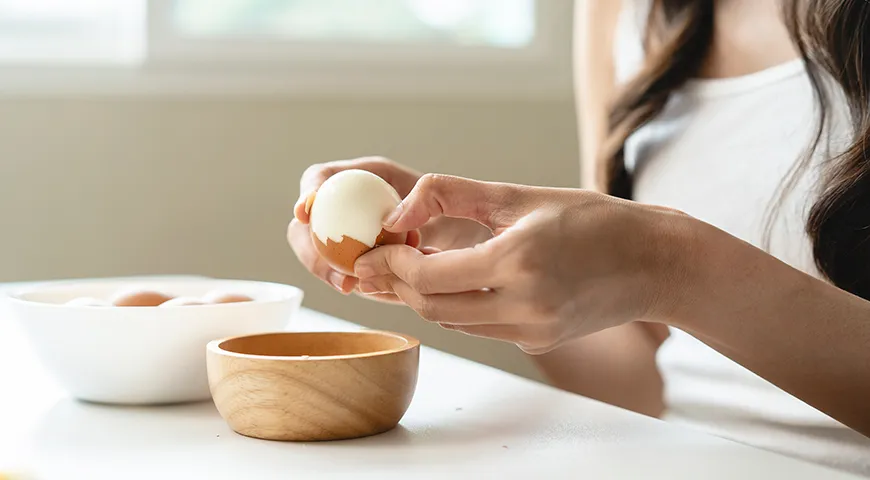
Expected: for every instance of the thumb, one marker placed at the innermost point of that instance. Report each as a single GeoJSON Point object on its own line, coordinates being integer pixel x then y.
{"type": "Point", "coordinates": [494, 205]}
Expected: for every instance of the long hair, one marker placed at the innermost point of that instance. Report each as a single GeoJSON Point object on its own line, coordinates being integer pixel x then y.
{"type": "Point", "coordinates": [833, 38]}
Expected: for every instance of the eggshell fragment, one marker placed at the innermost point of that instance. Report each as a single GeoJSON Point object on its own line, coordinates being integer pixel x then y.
{"type": "Point", "coordinates": [342, 255]}
{"type": "Point", "coordinates": [140, 298]}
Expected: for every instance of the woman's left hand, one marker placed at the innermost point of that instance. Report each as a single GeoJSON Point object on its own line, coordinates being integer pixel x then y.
{"type": "Point", "coordinates": [563, 262]}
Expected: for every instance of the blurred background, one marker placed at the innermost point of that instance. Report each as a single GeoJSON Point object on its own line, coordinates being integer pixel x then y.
{"type": "Point", "coordinates": [168, 136]}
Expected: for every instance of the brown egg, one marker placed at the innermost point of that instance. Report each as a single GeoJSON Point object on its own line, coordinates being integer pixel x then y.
{"type": "Point", "coordinates": [342, 255]}
{"type": "Point", "coordinates": [140, 298]}
{"type": "Point", "coordinates": [183, 302]}
{"type": "Point", "coordinates": [226, 297]}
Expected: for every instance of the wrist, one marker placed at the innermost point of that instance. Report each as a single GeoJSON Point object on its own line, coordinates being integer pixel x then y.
{"type": "Point", "coordinates": [700, 267]}
{"type": "Point", "coordinates": [719, 278]}
{"type": "Point", "coordinates": [678, 249]}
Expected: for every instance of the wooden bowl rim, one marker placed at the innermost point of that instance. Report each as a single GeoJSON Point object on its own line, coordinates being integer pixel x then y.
{"type": "Point", "coordinates": [410, 343]}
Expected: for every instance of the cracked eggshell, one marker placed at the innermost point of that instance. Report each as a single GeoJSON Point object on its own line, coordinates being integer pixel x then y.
{"type": "Point", "coordinates": [346, 215]}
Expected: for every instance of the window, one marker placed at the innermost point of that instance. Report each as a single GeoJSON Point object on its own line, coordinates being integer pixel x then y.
{"type": "Point", "coordinates": [63, 31]}
{"type": "Point", "coordinates": [495, 23]}
{"type": "Point", "coordinates": [327, 45]}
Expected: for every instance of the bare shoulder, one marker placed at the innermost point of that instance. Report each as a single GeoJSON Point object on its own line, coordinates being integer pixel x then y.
{"type": "Point", "coordinates": [594, 25]}
{"type": "Point", "coordinates": [600, 6]}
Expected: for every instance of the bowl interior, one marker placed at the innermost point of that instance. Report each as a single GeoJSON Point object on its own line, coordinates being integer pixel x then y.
{"type": "Point", "coordinates": [62, 292]}
{"type": "Point", "coordinates": [317, 344]}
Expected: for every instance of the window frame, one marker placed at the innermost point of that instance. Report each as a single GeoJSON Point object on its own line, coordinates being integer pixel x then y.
{"type": "Point", "coordinates": [173, 65]}
{"type": "Point", "coordinates": [122, 24]}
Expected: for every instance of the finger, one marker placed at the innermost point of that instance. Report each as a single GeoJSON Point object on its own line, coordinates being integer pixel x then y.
{"type": "Point", "coordinates": [491, 204]}
{"type": "Point", "coordinates": [303, 207]}
{"type": "Point", "coordinates": [390, 298]}
{"type": "Point", "coordinates": [382, 284]}
{"type": "Point", "coordinates": [468, 308]}
{"type": "Point", "coordinates": [516, 334]}
{"type": "Point", "coordinates": [413, 239]}
{"type": "Point", "coordinates": [300, 242]}
{"type": "Point", "coordinates": [505, 333]}
{"type": "Point", "coordinates": [453, 271]}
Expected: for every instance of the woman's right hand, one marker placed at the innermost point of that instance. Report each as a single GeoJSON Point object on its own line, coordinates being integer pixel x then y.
{"type": "Point", "coordinates": [440, 234]}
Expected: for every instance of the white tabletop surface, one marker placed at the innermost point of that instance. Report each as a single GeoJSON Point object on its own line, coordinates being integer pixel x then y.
{"type": "Point", "coordinates": [466, 420]}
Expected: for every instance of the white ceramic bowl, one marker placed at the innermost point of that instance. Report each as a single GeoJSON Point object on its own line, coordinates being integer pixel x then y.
{"type": "Point", "coordinates": [142, 355]}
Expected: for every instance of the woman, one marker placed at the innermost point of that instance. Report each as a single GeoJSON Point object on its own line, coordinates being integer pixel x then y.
{"type": "Point", "coordinates": [747, 315]}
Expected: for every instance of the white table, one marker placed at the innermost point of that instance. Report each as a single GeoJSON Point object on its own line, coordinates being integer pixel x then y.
{"type": "Point", "coordinates": [466, 421]}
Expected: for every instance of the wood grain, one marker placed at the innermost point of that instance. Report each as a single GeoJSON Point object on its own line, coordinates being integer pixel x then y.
{"type": "Point", "coordinates": [350, 384]}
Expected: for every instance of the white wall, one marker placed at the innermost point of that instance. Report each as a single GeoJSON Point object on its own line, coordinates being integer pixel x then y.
{"type": "Point", "coordinates": [111, 186]}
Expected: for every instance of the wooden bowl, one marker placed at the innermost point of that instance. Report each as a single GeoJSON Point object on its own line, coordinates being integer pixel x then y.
{"type": "Point", "coordinates": [313, 386]}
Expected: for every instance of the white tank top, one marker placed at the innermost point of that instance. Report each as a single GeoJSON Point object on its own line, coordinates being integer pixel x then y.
{"type": "Point", "coordinates": [718, 152]}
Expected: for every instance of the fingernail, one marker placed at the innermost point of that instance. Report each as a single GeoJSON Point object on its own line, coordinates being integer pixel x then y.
{"type": "Point", "coordinates": [309, 200]}
{"type": "Point", "coordinates": [337, 280]}
{"type": "Point", "coordinates": [393, 216]}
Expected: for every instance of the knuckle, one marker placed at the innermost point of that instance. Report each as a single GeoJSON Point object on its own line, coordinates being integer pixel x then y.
{"type": "Point", "coordinates": [313, 176]}
{"type": "Point", "coordinates": [484, 213]}
{"type": "Point", "coordinates": [418, 280]}
{"type": "Point", "coordinates": [431, 182]}
{"type": "Point", "coordinates": [497, 194]}
{"type": "Point", "coordinates": [379, 160]}
{"type": "Point", "coordinates": [313, 170]}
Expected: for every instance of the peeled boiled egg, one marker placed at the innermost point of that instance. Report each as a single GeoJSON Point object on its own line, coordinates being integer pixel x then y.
{"type": "Point", "coordinates": [346, 215]}
{"type": "Point", "coordinates": [182, 302]}
{"type": "Point", "coordinates": [140, 298]}
{"type": "Point", "coordinates": [219, 296]}
{"type": "Point", "coordinates": [88, 302]}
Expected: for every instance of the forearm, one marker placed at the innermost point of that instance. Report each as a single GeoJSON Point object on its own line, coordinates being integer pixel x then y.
{"type": "Point", "coordinates": [807, 337]}
{"type": "Point", "coordinates": [616, 366]}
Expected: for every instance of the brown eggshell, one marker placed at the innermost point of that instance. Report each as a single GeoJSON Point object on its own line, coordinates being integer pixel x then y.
{"type": "Point", "coordinates": [140, 298]}
{"type": "Point", "coordinates": [342, 255]}
{"type": "Point", "coordinates": [226, 297]}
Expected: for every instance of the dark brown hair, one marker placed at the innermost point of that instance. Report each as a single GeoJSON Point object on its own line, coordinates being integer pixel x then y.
{"type": "Point", "coordinates": [833, 37]}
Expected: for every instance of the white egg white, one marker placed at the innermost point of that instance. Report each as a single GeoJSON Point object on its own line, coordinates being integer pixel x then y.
{"type": "Point", "coordinates": [354, 204]}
